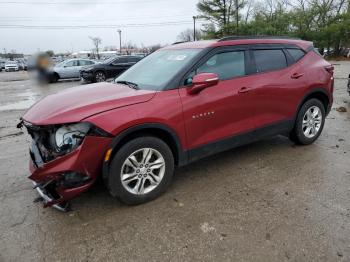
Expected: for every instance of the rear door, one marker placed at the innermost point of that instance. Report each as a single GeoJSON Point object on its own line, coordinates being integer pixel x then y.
{"type": "Point", "coordinates": [69, 69]}
{"type": "Point", "coordinates": [221, 111]}
{"type": "Point", "coordinates": [277, 86]}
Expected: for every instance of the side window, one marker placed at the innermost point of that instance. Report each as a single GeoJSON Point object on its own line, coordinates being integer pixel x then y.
{"type": "Point", "coordinates": [120, 60]}
{"type": "Point", "coordinates": [134, 59]}
{"type": "Point", "coordinates": [226, 65]}
{"type": "Point", "coordinates": [85, 62]}
{"type": "Point", "coordinates": [269, 60]}
{"type": "Point", "coordinates": [71, 63]}
{"type": "Point", "coordinates": [297, 54]}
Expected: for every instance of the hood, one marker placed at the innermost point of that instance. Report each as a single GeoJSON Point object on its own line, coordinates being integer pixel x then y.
{"type": "Point", "coordinates": [77, 103]}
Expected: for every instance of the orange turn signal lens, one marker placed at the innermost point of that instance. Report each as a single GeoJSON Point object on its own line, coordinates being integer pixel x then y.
{"type": "Point", "coordinates": [108, 155]}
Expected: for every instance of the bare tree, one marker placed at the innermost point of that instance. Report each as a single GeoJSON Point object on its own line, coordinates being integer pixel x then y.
{"type": "Point", "coordinates": [187, 35]}
{"type": "Point", "coordinates": [129, 47]}
{"type": "Point", "coordinates": [96, 42]}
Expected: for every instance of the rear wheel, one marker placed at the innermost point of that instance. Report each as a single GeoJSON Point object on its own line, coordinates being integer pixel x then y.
{"type": "Point", "coordinates": [141, 170]}
{"type": "Point", "coordinates": [309, 123]}
{"type": "Point", "coordinates": [100, 76]}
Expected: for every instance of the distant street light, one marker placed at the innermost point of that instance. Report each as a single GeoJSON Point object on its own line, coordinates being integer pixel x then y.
{"type": "Point", "coordinates": [120, 40]}
{"type": "Point", "coordinates": [194, 28]}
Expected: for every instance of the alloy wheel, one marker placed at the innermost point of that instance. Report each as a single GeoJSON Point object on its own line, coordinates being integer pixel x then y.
{"type": "Point", "coordinates": [143, 171]}
{"type": "Point", "coordinates": [312, 122]}
{"type": "Point", "coordinates": [100, 77]}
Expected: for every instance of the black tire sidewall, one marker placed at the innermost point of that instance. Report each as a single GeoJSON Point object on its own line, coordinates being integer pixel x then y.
{"type": "Point", "coordinates": [98, 73]}
{"type": "Point", "coordinates": [114, 178]}
{"type": "Point", "coordinates": [298, 130]}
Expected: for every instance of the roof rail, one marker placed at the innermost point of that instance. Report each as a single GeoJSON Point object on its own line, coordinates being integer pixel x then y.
{"type": "Point", "coordinates": [180, 42]}
{"type": "Point", "coordinates": [227, 38]}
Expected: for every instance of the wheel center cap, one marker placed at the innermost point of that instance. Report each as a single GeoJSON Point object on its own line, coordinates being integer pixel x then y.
{"type": "Point", "coordinates": [143, 170]}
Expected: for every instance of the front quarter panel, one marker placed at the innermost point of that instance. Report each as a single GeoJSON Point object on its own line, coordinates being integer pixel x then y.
{"type": "Point", "coordinates": [165, 109]}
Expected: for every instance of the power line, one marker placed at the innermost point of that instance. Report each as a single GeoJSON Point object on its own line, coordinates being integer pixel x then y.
{"type": "Point", "coordinates": [170, 23]}
{"type": "Point", "coordinates": [79, 19]}
{"type": "Point", "coordinates": [77, 2]}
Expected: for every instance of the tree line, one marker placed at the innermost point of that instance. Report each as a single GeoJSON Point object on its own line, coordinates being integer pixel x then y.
{"type": "Point", "coordinates": [325, 22]}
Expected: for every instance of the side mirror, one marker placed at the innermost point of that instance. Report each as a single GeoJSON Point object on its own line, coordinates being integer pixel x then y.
{"type": "Point", "coordinates": [202, 81]}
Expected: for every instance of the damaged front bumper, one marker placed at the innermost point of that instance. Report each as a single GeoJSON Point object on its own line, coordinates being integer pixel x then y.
{"type": "Point", "coordinates": [46, 199]}
{"type": "Point", "coordinates": [65, 177]}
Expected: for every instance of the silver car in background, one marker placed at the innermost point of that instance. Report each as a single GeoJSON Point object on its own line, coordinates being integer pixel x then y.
{"type": "Point", "coordinates": [11, 66]}
{"type": "Point", "coordinates": [69, 69]}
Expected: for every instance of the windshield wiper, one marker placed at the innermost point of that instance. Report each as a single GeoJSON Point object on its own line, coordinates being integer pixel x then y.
{"type": "Point", "coordinates": [129, 84]}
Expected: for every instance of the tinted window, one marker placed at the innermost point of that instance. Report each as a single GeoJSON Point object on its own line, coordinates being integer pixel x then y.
{"type": "Point", "coordinates": [120, 60]}
{"type": "Point", "coordinates": [225, 65]}
{"type": "Point", "coordinates": [134, 59]}
{"type": "Point", "coordinates": [297, 54]}
{"type": "Point", "coordinates": [269, 60]}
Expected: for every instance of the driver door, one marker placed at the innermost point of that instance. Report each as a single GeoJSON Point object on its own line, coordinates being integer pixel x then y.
{"type": "Point", "coordinates": [218, 114]}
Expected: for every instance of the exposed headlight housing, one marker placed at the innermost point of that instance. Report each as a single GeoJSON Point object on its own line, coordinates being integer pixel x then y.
{"type": "Point", "coordinates": [57, 140]}
{"type": "Point", "coordinates": [69, 137]}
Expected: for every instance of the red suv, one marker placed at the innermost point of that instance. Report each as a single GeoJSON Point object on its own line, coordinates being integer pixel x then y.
{"type": "Point", "coordinates": [179, 104]}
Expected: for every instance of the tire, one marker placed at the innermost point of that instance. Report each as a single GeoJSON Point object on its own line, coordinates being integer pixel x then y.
{"type": "Point", "coordinates": [156, 180]}
{"type": "Point", "coordinates": [54, 78]}
{"type": "Point", "coordinates": [309, 123]}
{"type": "Point", "coordinates": [99, 76]}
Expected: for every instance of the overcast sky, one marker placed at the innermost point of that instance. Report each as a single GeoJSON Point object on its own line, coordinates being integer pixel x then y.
{"type": "Point", "coordinates": [133, 17]}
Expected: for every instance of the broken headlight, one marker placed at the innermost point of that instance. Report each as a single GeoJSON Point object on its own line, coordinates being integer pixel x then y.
{"type": "Point", "coordinates": [69, 137]}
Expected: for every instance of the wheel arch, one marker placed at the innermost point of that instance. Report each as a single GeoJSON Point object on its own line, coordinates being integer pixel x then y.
{"type": "Point", "coordinates": [318, 93]}
{"type": "Point", "coordinates": [155, 129]}
{"type": "Point", "coordinates": [57, 74]}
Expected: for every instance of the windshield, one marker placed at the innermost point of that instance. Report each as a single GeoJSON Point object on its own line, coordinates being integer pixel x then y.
{"type": "Point", "coordinates": [61, 64]}
{"type": "Point", "coordinates": [156, 70]}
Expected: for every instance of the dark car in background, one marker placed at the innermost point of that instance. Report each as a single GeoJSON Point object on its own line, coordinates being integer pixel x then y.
{"type": "Point", "coordinates": [109, 68]}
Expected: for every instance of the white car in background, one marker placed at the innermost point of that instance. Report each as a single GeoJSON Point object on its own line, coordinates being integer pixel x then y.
{"type": "Point", "coordinates": [11, 66]}
{"type": "Point", "coordinates": [69, 69]}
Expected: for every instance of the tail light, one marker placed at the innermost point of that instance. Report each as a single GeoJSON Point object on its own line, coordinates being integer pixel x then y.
{"type": "Point", "coordinates": [330, 69]}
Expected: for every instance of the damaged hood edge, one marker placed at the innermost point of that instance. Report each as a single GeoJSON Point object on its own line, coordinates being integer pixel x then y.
{"type": "Point", "coordinates": [78, 103]}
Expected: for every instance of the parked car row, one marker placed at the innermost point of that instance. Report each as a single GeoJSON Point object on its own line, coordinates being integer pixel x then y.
{"type": "Point", "coordinates": [90, 70]}
{"type": "Point", "coordinates": [10, 65]}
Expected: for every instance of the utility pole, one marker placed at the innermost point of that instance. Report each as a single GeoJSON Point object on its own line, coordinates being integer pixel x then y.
{"type": "Point", "coordinates": [120, 40]}
{"type": "Point", "coordinates": [194, 28]}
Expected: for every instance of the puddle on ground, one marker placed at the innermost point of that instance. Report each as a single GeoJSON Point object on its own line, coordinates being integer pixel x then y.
{"type": "Point", "coordinates": [29, 99]}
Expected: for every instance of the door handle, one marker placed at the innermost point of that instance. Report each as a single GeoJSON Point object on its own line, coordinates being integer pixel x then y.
{"type": "Point", "coordinates": [296, 75]}
{"type": "Point", "coordinates": [243, 89]}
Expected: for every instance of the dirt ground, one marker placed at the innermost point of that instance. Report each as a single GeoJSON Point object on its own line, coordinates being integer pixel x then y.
{"type": "Point", "coordinates": [268, 201]}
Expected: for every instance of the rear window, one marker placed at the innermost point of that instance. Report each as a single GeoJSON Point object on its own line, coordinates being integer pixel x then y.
{"type": "Point", "coordinates": [297, 54]}
{"type": "Point", "coordinates": [269, 60]}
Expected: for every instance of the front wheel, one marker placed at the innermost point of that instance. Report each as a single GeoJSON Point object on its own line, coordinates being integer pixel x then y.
{"type": "Point", "coordinates": [141, 170]}
{"type": "Point", "coordinates": [100, 76]}
{"type": "Point", "coordinates": [309, 123]}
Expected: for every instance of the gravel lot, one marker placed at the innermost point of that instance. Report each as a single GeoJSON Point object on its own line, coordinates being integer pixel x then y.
{"type": "Point", "coordinates": [268, 201]}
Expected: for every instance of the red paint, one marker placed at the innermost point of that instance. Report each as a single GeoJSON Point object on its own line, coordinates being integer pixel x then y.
{"type": "Point", "coordinates": [224, 109]}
